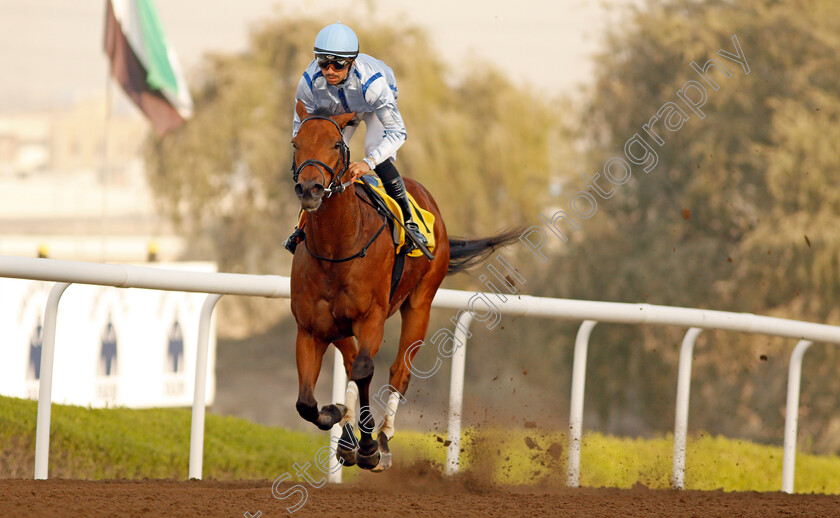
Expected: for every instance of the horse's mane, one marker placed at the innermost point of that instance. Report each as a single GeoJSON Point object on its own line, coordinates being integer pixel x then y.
{"type": "Point", "coordinates": [322, 112]}
{"type": "Point", "coordinates": [325, 112]}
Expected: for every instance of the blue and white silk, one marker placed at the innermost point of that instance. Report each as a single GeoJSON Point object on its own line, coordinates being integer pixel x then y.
{"type": "Point", "coordinates": [370, 90]}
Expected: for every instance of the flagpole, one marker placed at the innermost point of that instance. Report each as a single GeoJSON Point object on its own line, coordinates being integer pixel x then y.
{"type": "Point", "coordinates": [104, 179]}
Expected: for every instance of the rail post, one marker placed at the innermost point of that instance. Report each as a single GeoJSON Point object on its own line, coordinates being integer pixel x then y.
{"type": "Point", "coordinates": [792, 414]}
{"type": "Point", "coordinates": [681, 419]}
{"type": "Point", "coordinates": [576, 410]}
{"type": "Point", "coordinates": [456, 394]}
{"type": "Point", "coordinates": [42, 430]}
{"type": "Point", "coordinates": [199, 399]}
{"type": "Point", "coordinates": [339, 390]}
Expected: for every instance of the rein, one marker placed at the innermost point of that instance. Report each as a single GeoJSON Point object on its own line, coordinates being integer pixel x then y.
{"type": "Point", "coordinates": [360, 253]}
{"type": "Point", "coordinates": [332, 188]}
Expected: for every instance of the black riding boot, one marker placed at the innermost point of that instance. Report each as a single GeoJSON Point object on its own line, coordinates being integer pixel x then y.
{"type": "Point", "coordinates": [292, 242]}
{"type": "Point", "coordinates": [395, 187]}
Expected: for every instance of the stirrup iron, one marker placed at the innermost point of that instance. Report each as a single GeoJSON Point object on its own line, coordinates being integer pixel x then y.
{"type": "Point", "coordinates": [413, 234]}
{"type": "Point", "coordinates": [292, 241]}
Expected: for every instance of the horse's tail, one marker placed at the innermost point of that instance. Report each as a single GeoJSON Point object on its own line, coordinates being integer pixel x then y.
{"type": "Point", "coordinates": [466, 253]}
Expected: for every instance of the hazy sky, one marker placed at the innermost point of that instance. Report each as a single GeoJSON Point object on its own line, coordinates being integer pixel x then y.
{"type": "Point", "coordinates": [51, 50]}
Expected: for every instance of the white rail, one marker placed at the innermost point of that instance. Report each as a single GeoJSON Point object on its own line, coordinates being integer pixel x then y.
{"type": "Point", "coordinates": [696, 319]}
{"type": "Point", "coordinates": [216, 284]}
{"type": "Point", "coordinates": [122, 276]}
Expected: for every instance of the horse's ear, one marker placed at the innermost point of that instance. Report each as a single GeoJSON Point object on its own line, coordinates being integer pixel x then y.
{"type": "Point", "coordinates": [344, 118]}
{"type": "Point", "coordinates": [301, 110]}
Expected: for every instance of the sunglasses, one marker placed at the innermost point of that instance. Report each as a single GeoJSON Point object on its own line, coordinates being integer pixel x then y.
{"type": "Point", "coordinates": [338, 64]}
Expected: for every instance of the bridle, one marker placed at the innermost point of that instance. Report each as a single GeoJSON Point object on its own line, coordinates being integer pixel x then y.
{"type": "Point", "coordinates": [335, 186]}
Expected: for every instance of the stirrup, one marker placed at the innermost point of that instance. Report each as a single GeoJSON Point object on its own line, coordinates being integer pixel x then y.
{"type": "Point", "coordinates": [413, 234]}
{"type": "Point", "coordinates": [291, 243]}
{"type": "Point", "coordinates": [417, 236]}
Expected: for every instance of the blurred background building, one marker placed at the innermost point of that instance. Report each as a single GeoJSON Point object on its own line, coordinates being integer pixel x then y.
{"type": "Point", "coordinates": [65, 195]}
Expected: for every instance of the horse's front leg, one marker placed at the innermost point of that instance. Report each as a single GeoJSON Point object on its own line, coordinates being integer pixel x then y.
{"type": "Point", "coordinates": [309, 351]}
{"type": "Point", "coordinates": [368, 333]}
{"type": "Point", "coordinates": [347, 446]}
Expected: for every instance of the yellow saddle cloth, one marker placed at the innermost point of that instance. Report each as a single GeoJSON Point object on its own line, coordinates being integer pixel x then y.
{"type": "Point", "coordinates": [424, 219]}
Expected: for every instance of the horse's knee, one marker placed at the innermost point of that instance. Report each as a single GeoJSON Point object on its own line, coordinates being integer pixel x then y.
{"type": "Point", "coordinates": [307, 407]}
{"type": "Point", "coordinates": [362, 367]}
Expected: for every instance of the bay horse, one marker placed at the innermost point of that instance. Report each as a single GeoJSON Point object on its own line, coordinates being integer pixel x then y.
{"type": "Point", "coordinates": [341, 284]}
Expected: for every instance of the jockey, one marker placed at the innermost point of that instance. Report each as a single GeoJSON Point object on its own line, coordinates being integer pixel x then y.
{"type": "Point", "coordinates": [340, 80]}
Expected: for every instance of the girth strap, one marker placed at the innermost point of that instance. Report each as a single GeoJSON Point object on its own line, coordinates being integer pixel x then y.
{"type": "Point", "coordinates": [399, 260]}
{"type": "Point", "coordinates": [396, 274]}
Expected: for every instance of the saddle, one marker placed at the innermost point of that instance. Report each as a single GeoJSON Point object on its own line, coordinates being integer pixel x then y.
{"type": "Point", "coordinates": [386, 205]}
{"type": "Point", "coordinates": [371, 191]}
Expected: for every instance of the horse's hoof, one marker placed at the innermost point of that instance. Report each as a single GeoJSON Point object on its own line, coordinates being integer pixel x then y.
{"type": "Point", "coordinates": [367, 461]}
{"type": "Point", "coordinates": [330, 414]}
{"type": "Point", "coordinates": [384, 463]}
{"type": "Point", "coordinates": [384, 454]}
{"type": "Point", "coordinates": [341, 408]}
{"type": "Point", "coordinates": [346, 456]}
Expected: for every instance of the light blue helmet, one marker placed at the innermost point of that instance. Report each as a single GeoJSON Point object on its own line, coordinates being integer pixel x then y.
{"type": "Point", "coordinates": [337, 40]}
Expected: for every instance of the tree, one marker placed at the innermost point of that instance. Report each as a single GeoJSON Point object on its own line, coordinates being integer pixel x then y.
{"type": "Point", "coordinates": [737, 214]}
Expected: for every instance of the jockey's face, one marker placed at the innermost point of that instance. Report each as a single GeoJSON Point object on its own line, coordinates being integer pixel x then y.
{"type": "Point", "coordinates": [334, 76]}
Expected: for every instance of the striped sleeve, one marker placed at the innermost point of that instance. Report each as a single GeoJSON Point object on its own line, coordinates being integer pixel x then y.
{"type": "Point", "coordinates": [304, 94]}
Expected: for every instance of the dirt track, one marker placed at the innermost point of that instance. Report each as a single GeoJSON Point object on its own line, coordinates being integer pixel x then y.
{"type": "Point", "coordinates": [411, 492]}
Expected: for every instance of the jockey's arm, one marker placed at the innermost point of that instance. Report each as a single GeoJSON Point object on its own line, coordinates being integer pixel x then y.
{"type": "Point", "coordinates": [385, 107]}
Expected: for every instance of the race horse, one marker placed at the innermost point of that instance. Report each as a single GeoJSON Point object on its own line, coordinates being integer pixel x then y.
{"type": "Point", "coordinates": [341, 289]}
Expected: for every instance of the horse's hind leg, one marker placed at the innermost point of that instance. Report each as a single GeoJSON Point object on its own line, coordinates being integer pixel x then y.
{"type": "Point", "coordinates": [347, 445]}
{"type": "Point", "coordinates": [415, 322]}
{"type": "Point", "coordinates": [309, 351]}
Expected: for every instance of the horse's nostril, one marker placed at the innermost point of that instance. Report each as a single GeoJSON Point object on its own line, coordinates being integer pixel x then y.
{"type": "Point", "coordinates": [298, 190]}
{"type": "Point", "coordinates": [317, 190]}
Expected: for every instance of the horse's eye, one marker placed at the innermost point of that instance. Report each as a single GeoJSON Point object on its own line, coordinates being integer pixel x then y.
{"type": "Point", "coordinates": [338, 145]}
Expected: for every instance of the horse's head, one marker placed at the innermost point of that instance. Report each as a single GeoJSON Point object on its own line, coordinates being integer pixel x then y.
{"type": "Point", "coordinates": [321, 157]}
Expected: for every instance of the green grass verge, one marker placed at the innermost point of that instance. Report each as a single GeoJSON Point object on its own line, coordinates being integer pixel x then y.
{"type": "Point", "coordinates": [126, 443]}
{"type": "Point", "coordinates": [537, 457]}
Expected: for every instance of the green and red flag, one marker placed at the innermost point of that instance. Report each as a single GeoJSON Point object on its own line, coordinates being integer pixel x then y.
{"type": "Point", "coordinates": [145, 65]}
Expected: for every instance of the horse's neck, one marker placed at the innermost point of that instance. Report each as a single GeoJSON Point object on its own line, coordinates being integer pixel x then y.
{"type": "Point", "coordinates": [334, 229]}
